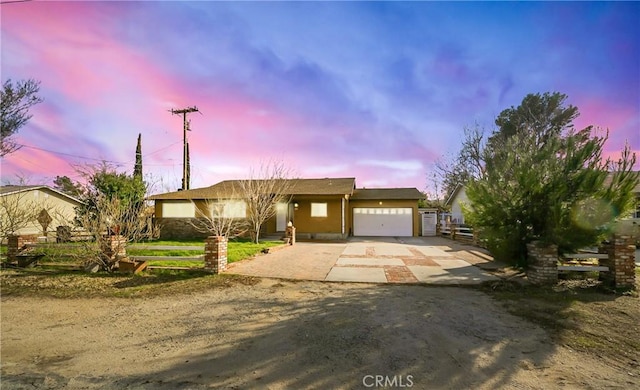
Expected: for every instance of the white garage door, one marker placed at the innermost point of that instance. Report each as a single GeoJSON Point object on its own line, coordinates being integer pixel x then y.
{"type": "Point", "coordinates": [379, 221]}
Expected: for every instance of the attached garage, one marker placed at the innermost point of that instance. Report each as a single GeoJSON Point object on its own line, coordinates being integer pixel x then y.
{"type": "Point", "coordinates": [385, 212]}
{"type": "Point", "coordinates": [383, 221]}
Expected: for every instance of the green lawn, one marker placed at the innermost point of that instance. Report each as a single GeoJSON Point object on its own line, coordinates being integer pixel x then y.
{"type": "Point", "coordinates": [166, 252]}
{"type": "Point", "coordinates": [176, 263]}
{"type": "Point", "coordinates": [237, 250]}
{"type": "Point", "coordinates": [171, 243]}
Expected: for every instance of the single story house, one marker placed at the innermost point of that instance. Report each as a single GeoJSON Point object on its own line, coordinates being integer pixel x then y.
{"type": "Point", "coordinates": [328, 208]}
{"type": "Point", "coordinates": [29, 204]}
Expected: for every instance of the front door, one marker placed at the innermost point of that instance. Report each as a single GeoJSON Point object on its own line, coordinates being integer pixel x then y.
{"type": "Point", "coordinates": [281, 216]}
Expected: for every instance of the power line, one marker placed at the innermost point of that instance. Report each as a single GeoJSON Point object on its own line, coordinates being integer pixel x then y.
{"type": "Point", "coordinates": [69, 155]}
{"type": "Point", "coordinates": [13, 1]}
{"type": "Point", "coordinates": [99, 159]}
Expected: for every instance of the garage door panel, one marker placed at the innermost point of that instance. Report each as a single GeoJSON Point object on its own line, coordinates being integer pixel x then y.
{"type": "Point", "coordinates": [379, 221]}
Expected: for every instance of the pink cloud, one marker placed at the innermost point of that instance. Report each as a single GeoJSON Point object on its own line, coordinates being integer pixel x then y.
{"type": "Point", "coordinates": [622, 122]}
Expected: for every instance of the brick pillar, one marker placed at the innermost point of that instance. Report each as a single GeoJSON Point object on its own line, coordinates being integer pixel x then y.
{"type": "Point", "coordinates": [114, 247]}
{"type": "Point", "coordinates": [452, 231]}
{"type": "Point", "coordinates": [621, 262]}
{"type": "Point", "coordinates": [291, 234]}
{"type": "Point", "coordinates": [543, 264]}
{"type": "Point", "coordinates": [215, 254]}
{"type": "Point", "coordinates": [16, 244]}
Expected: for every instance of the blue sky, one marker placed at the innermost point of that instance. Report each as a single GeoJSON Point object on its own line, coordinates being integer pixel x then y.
{"type": "Point", "coordinates": [373, 90]}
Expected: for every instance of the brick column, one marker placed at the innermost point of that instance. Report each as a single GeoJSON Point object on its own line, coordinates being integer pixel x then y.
{"type": "Point", "coordinates": [215, 254]}
{"type": "Point", "coordinates": [115, 248]}
{"type": "Point", "coordinates": [543, 264]}
{"type": "Point", "coordinates": [452, 230]}
{"type": "Point", "coordinates": [16, 244]}
{"type": "Point", "coordinates": [621, 262]}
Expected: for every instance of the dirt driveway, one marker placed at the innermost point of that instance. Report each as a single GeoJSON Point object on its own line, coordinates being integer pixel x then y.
{"type": "Point", "coordinates": [294, 335]}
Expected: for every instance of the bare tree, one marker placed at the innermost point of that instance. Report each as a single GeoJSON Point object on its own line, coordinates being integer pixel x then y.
{"type": "Point", "coordinates": [114, 213]}
{"type": "Point", "coordinates": [452, 171]}
{"type": "Point", "coordinates": [111, 217]}
{"type": "Point", "coordinates": [222, 218]}
{"type": "Point", "coordinates": [16, 212]}
{"type": "Point", "coordinates": [267, 186]}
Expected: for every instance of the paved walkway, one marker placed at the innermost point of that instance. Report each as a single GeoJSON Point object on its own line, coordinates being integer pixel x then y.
{"type": "Point", "coordinates": [376, 260]}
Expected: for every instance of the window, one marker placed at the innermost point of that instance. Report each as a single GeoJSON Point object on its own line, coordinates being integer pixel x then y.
{"type": "Point", "coordinates": [318, 209]}
{"type": "Point", "coordinates": [178, 209]}
{"type": "Point", "coordinates": [235, 209]}
{"type": "Point", "coordinates": [228, 209]}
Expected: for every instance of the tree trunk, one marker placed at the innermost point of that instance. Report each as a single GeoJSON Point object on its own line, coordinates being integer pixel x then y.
{"type": "Point", "coordinates": [256, 233]}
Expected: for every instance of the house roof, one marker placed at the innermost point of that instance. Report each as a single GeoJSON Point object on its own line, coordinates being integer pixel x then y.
{"type": "Point", "coordinates": [386, 193]}
{"type": "Point", "coordinates": [453, 195]}
{"type": "Point", "coordinates": [10, 189]}
{"type": "Point", "coordinates": [230, 189]}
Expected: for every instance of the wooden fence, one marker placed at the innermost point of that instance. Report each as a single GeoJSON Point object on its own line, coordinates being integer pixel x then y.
{"type": "Point", "coordinates": [457, 231]}
{"type": "Point", "coordinates": [582, 262]}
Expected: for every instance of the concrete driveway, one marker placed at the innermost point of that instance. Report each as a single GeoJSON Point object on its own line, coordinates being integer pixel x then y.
{"type": "Point", "coordinates": [431, 260]}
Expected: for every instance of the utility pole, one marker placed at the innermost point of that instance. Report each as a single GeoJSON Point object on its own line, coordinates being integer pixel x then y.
{"type": "Point", "coordinates": [185, 149]}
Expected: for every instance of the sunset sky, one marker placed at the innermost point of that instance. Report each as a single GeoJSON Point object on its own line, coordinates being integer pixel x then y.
{"type": "Point", "coordinates": [372, 90]}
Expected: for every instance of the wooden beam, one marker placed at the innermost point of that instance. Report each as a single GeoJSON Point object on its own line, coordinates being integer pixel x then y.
{"type": "Point", "coordinates": [583, 268]}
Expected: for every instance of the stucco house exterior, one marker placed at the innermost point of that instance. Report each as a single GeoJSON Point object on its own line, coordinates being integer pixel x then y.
{"type": "Point", "coordinates": [327, 208]}
{"type": "Point", "coordinates": [37, 200]}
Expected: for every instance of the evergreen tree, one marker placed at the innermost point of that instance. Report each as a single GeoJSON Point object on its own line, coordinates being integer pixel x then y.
{"type": "Point", "coordinates": [137, 169]}
{"type": "Point", "coordinates": [66, 185]}
{"type": "Point", "coordinates": [15, 102]}
{"type": "Point", "coordinates": [543, 180]}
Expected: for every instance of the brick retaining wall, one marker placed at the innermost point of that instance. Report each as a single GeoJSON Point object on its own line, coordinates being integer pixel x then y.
{"type": "Point", "coordinates": [178, 228]}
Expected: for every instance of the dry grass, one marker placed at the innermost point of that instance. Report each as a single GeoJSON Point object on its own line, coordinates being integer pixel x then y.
{"type": "Point", "coordinates": [580, 314]}
{"type": "Point", "coordinates": [61, 283]}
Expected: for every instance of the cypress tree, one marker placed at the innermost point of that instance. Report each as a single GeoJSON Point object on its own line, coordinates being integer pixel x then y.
{"type": "Point", "coordinates": [137, 169]}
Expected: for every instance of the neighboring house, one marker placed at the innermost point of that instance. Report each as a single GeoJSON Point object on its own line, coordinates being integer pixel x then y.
{"type": "Point", "coordinates": [326, 208]}
{"type": "Point", "coordinates": [36, 201]}
{"type": "Point", "coordinates": [455, 201]}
